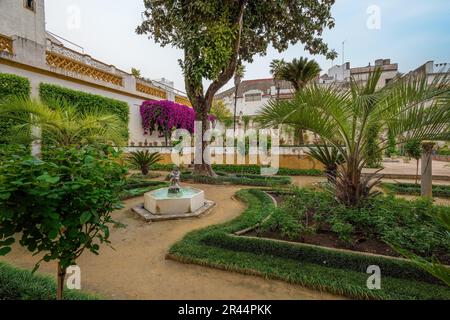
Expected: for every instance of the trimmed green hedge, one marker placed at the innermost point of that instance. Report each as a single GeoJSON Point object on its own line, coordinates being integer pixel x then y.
{"type": "Point", "coordinates": [247, 169]}
{"type": "Point", "coordinates": [84, 101]}
{"type": "Point", "coordinates": [245, 180]}
{"type": "Point", "coordinates": [18, 284]}
{"type": "Point", "coordinates": [318, 268]}
{"type": "Point", "coordinates": [11, 85]}
{"type": "Point", "coordinates": [442, 191]}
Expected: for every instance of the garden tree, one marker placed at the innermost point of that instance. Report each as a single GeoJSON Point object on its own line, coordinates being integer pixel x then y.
{"type": "Point", "coordinates": [221, 112]}
{"type": "Point", "coordinates": [409, 107]}
{"type": "Point", "coordinates": [413, 149]}
{"type": "Point", "coordinates": [238, 76]}
{"type": "Point", "coordinates": [216, 34]}
{"type": "Point", "coordinates": [372, 152]}
{"type": "Point", "coordinates": [275, 70]}
{"type": "Point", "coordinates": [330, 157]}
{"type": "Point", "coordinates": [59, 207]}
{"type": "Point", "coordinates": [61, 124]}
{"type": "Point", "coordinates": [144, 160]}
{"type": "Point", "coordinates": [299, 72]}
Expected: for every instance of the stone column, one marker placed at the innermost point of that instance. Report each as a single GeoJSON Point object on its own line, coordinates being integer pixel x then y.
{"type": "Point", "coordinates": [427, 170]}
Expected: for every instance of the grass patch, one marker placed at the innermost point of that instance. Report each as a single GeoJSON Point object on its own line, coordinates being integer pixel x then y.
{"type": "Point", "coordinates": [441, 191]}
{"type": "Point", "coordinates": [19, 284]}
{"type": "Point", "coordinates": [295, 263]}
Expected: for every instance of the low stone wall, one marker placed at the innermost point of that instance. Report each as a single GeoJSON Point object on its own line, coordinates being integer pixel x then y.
{"type": "Point", "coordinates": [289, 157]}
{"type": "Point", "coordinates": [441, 158]}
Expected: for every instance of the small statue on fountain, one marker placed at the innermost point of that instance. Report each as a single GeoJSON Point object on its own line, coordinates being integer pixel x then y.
{"type": "Point", "coordinates": [175, 180]}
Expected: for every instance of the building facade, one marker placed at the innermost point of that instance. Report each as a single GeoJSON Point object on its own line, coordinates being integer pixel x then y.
{"type": "Point", "coordinates": [27, 50]}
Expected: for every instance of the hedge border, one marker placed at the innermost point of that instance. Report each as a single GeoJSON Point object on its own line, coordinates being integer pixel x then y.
{"type": "Point", "coordinates": [50, 92]}
{"type": "Point", "coordinates": [11, 85]}
{"type": "Point", "coordinates": [216, 247]}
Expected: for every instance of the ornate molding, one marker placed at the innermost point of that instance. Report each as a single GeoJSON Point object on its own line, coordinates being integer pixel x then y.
{"type": "Point", "coordinates": [73, 64]}
{"type": "Point", "coordinates": [183, 100]}
{"type": "Point", "coordinates": [6, 44]}
{"type": "Point", "coordinates": [144, 88]}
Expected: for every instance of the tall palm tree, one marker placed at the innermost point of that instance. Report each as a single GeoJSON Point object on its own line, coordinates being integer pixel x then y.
{"type": "Point", "coordinates": [61, 124]}
{"type": "Point", "coordinates": [238, 76]}
{"type": "Point", "coordinates": [299, 72]}
{"type": "Point", "coordinates": [409, 107]}
{"type": "Point", "coordinates": [275, 70]}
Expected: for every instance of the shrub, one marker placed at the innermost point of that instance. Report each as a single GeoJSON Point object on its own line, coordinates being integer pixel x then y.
{"type": "Point", "coordinates": [144, 160]}
{"type": "Point", "coordinates": [442, 191]}
{"type": "Point", "coordinates": [249, 180]}
{"type": "Point", "coordinates": [60, 205]}
{"type": "Point", "coordinates": [85, 101]}
{"type": "Point", "coordinates": [11, 85]}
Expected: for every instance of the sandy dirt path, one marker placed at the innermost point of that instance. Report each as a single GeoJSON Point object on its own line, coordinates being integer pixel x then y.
{"type": "Point", "coordinates": [137, 268]}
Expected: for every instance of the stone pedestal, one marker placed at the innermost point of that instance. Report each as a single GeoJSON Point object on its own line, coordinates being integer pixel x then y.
{"type": "Point", "coordinates": [427, 169]}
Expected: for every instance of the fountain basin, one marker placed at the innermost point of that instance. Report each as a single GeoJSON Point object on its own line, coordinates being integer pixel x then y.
{"type": "Point", "coordinates": [161, 202]}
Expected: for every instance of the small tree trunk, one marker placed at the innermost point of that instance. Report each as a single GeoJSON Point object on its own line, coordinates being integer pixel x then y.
{"type": "Point", "coordinates": [203, 168]}
{"type": "Point", "coordinates": [299, 136]}
{"type": "Point", "coordinates": [61, 278]}
{"type": "Point", "coordinates": [417, 170]}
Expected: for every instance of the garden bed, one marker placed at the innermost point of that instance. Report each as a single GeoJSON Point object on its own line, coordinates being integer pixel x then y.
{"type": "Point", "coordinates": [323, 269]}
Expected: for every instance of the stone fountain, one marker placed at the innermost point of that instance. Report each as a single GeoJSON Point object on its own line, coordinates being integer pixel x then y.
{"type": "Point", "coordinates": [174, 202]}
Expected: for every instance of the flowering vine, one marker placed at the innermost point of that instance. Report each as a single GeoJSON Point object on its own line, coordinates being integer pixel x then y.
{"type": "Point", "coordinates": [165, 116]}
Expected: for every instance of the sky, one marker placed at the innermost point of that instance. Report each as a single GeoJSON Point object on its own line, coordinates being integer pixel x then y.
{"type": "Point", "coordinates": [409, 32]}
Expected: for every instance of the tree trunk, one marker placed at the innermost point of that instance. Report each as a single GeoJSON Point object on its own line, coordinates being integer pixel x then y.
{"type": "Point", "coordinates": [202, 168]}
{"type": "Point", "coordinates": [299, 136]}
{"type": "Point", "coordinates": [60, 285]}
{"type": "Point", "coordinates": [417, 170]}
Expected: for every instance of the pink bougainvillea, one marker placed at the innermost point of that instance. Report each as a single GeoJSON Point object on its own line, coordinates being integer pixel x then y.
{"type": "Point", "coordinates": [164, 116]}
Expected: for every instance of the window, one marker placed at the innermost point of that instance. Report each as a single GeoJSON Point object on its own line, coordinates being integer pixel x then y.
{"type": "Point", "coordinates": [30, 4]}
{"type": "Point", "coordinates": [251, 97]}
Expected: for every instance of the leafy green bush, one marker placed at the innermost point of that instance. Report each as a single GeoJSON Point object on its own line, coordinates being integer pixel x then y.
{"type": "Point", "coordinates": [61, 205]}
{"type": "Point", "coordinates": [406, 224]}
{"type": "Point", "coordinates": [286, 224]}
{"type": "Point", "coordinates": [18, 284]}
{"type": "Point", "coordinates": [144, 160]}
{"type": "Point", "coordinates": [85, 101]}
{"type": "Point", "coordinates": [318, 268]}
{"type": "Point", "coordinates": [11, 85]}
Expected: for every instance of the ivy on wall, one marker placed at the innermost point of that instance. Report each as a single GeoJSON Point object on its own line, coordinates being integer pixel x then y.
{"type": "Point", "coordinates": [83, 100]}
{"type": "Point", "coordinates": [11, 85]}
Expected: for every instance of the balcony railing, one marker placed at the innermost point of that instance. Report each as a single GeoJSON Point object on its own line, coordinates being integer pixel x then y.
{"type": "Point", "coordinates": [67, 59]}
{"type": "Point", "coordinates": [183, 100]}
{"type": "Point", "coordinates": [6, 44]}
{"type": "Point", "coordinates": [146, 88]}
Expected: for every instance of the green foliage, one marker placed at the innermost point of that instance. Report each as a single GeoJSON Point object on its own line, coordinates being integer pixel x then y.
{"type": "Point", "coordinates": [61, 205]}
{"type": "Point", "coordinates": [17, 284]}
{"type": "Point", "coordinates": [286, 224]}
{"type": "Point", "coordinates": [299, 72]}
{"type": "Point", "coordinates": [247, 169]}
{"type": "Point", "coordinates": [405, 224]}
{"type": "Point", "coordinates": [391, 149]}
{"type": "Point", "coordinates": [144, 160]}
{"type": "Point", "coordinates": [85, 102]}
{"type": "Point", "coordinates": [372, 150]}
{"type": "Point", "coordinates": [413, 149]}
{"type": "Point", "coordinates": [220, 110]}
{"type": "Point", "coordinates": [329, 156]}
{"type": "Point", "coordinates": [442, 191]}
{"type": "Point", "coordinates": [444, 151]}
{"type": "Point", "coordinates": [11, 86]}
{"type": "Point", "coordinates": [238, 179]}
{"type": "Point", "coordinates": [409, 108]}
{"type": "Point", "coordinates": [318, 268]}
